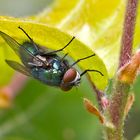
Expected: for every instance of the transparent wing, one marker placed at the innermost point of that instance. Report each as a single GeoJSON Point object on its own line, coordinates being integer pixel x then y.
{"type": "Point", "coordinates": [18, 67]}
{"type": "Point", "coordinates": [18, 47]}
{"type": "Point", "coordinates": [11, 42]}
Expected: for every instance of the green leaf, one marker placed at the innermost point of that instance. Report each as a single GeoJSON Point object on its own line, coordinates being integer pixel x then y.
{"type": "Point", "coordinates": [137, 137]}
{"type": "Point", "coordinates": [14, 138]}
{"type": "Point", "coordinates": [97, 23]}
{"type": "Point", "coordinates": [137, 30]}
{"type": "Point", "coordinates": [54, 39]}
{"type": "Point", "coordinates": [41, 113]}
{"type": "Point", "coordinates": [62, 15]}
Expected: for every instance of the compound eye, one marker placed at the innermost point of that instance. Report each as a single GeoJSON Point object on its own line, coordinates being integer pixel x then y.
{"type": "Point", "coordinates": [68, 77]}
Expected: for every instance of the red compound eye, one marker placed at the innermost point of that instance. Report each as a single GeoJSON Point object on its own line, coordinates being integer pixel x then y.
{"type": "Point", "coordinates": [68, 77]}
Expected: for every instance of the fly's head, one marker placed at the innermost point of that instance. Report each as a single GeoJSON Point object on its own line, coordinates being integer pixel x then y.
{"type": "Point", "coordinates": [71, 78]}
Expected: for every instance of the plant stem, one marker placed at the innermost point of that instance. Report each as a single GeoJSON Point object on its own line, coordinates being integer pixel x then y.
{"type": "Point", "coordinates": [121, 90]}
{"type": "Point", "coordinates": [116, 110]}
{"type": "Point", "coordinates": [99, 94]}
{"type": "Point", "coordinates": [128, 31]}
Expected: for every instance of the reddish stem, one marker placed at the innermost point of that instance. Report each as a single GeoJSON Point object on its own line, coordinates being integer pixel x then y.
{"type": "Point", "coordinates": [128, 32]}
{"type": "Point", "coordinates": [121, 91]}
{"type": "Point", "coordinates": [99, 95]}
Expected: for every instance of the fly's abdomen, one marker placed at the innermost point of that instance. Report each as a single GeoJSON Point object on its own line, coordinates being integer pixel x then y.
{"type": "Point", "coordinates": [50, 77]}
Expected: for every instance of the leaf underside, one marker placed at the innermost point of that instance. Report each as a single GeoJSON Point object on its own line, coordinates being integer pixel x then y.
{"type": "Point", "coordinates": [54, 39]}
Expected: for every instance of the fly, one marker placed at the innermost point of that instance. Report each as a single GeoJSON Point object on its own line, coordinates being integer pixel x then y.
{"type": "Point", "coordinates": [45, 66]}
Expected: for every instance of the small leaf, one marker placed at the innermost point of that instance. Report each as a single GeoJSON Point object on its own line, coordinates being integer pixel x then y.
{"type": "Point", "coordinates": [93, 110]}
{"type": "Point", "coordinates": [128, 72]}
{"type": "Point", "coordinates": [55, 39]}
{"type": "Point", "coordinates": [129, 104]}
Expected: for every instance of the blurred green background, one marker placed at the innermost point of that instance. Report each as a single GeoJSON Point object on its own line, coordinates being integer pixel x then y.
{"type": "Point", "coordinates": [45, 113]}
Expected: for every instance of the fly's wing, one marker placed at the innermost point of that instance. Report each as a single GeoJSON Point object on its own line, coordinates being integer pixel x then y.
{"type": "Point", "coordinates": [18, 67]}
{"type": "Point", "coordinates": [11, 42]}
{"type": "Point", "coordinates": [18, 47]}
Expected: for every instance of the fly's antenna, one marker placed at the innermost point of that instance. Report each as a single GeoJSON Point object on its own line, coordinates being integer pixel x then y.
{"type": "Point", "coordinates": [84, 72]}
{"type": "Point", "coordinates": [82, 59]}
{"type": "Point", "coordinates": [28, 37]}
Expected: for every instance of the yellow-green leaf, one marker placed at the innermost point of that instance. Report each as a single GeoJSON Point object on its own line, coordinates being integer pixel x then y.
{"type": "Point", "coordinates": [83, 18]}
{"type": "Point", "coordinates": [97, 23]}
{"type": "Point", "coordinates": [54, 39]}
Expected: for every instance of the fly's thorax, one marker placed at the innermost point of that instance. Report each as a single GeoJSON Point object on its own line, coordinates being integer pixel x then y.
{"type": "Point", "coordinates": [24, 51]}
{"type": "Point", "coordinates": [71, 78]}
{"type": "Point", "coordinates": [30, 47]}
